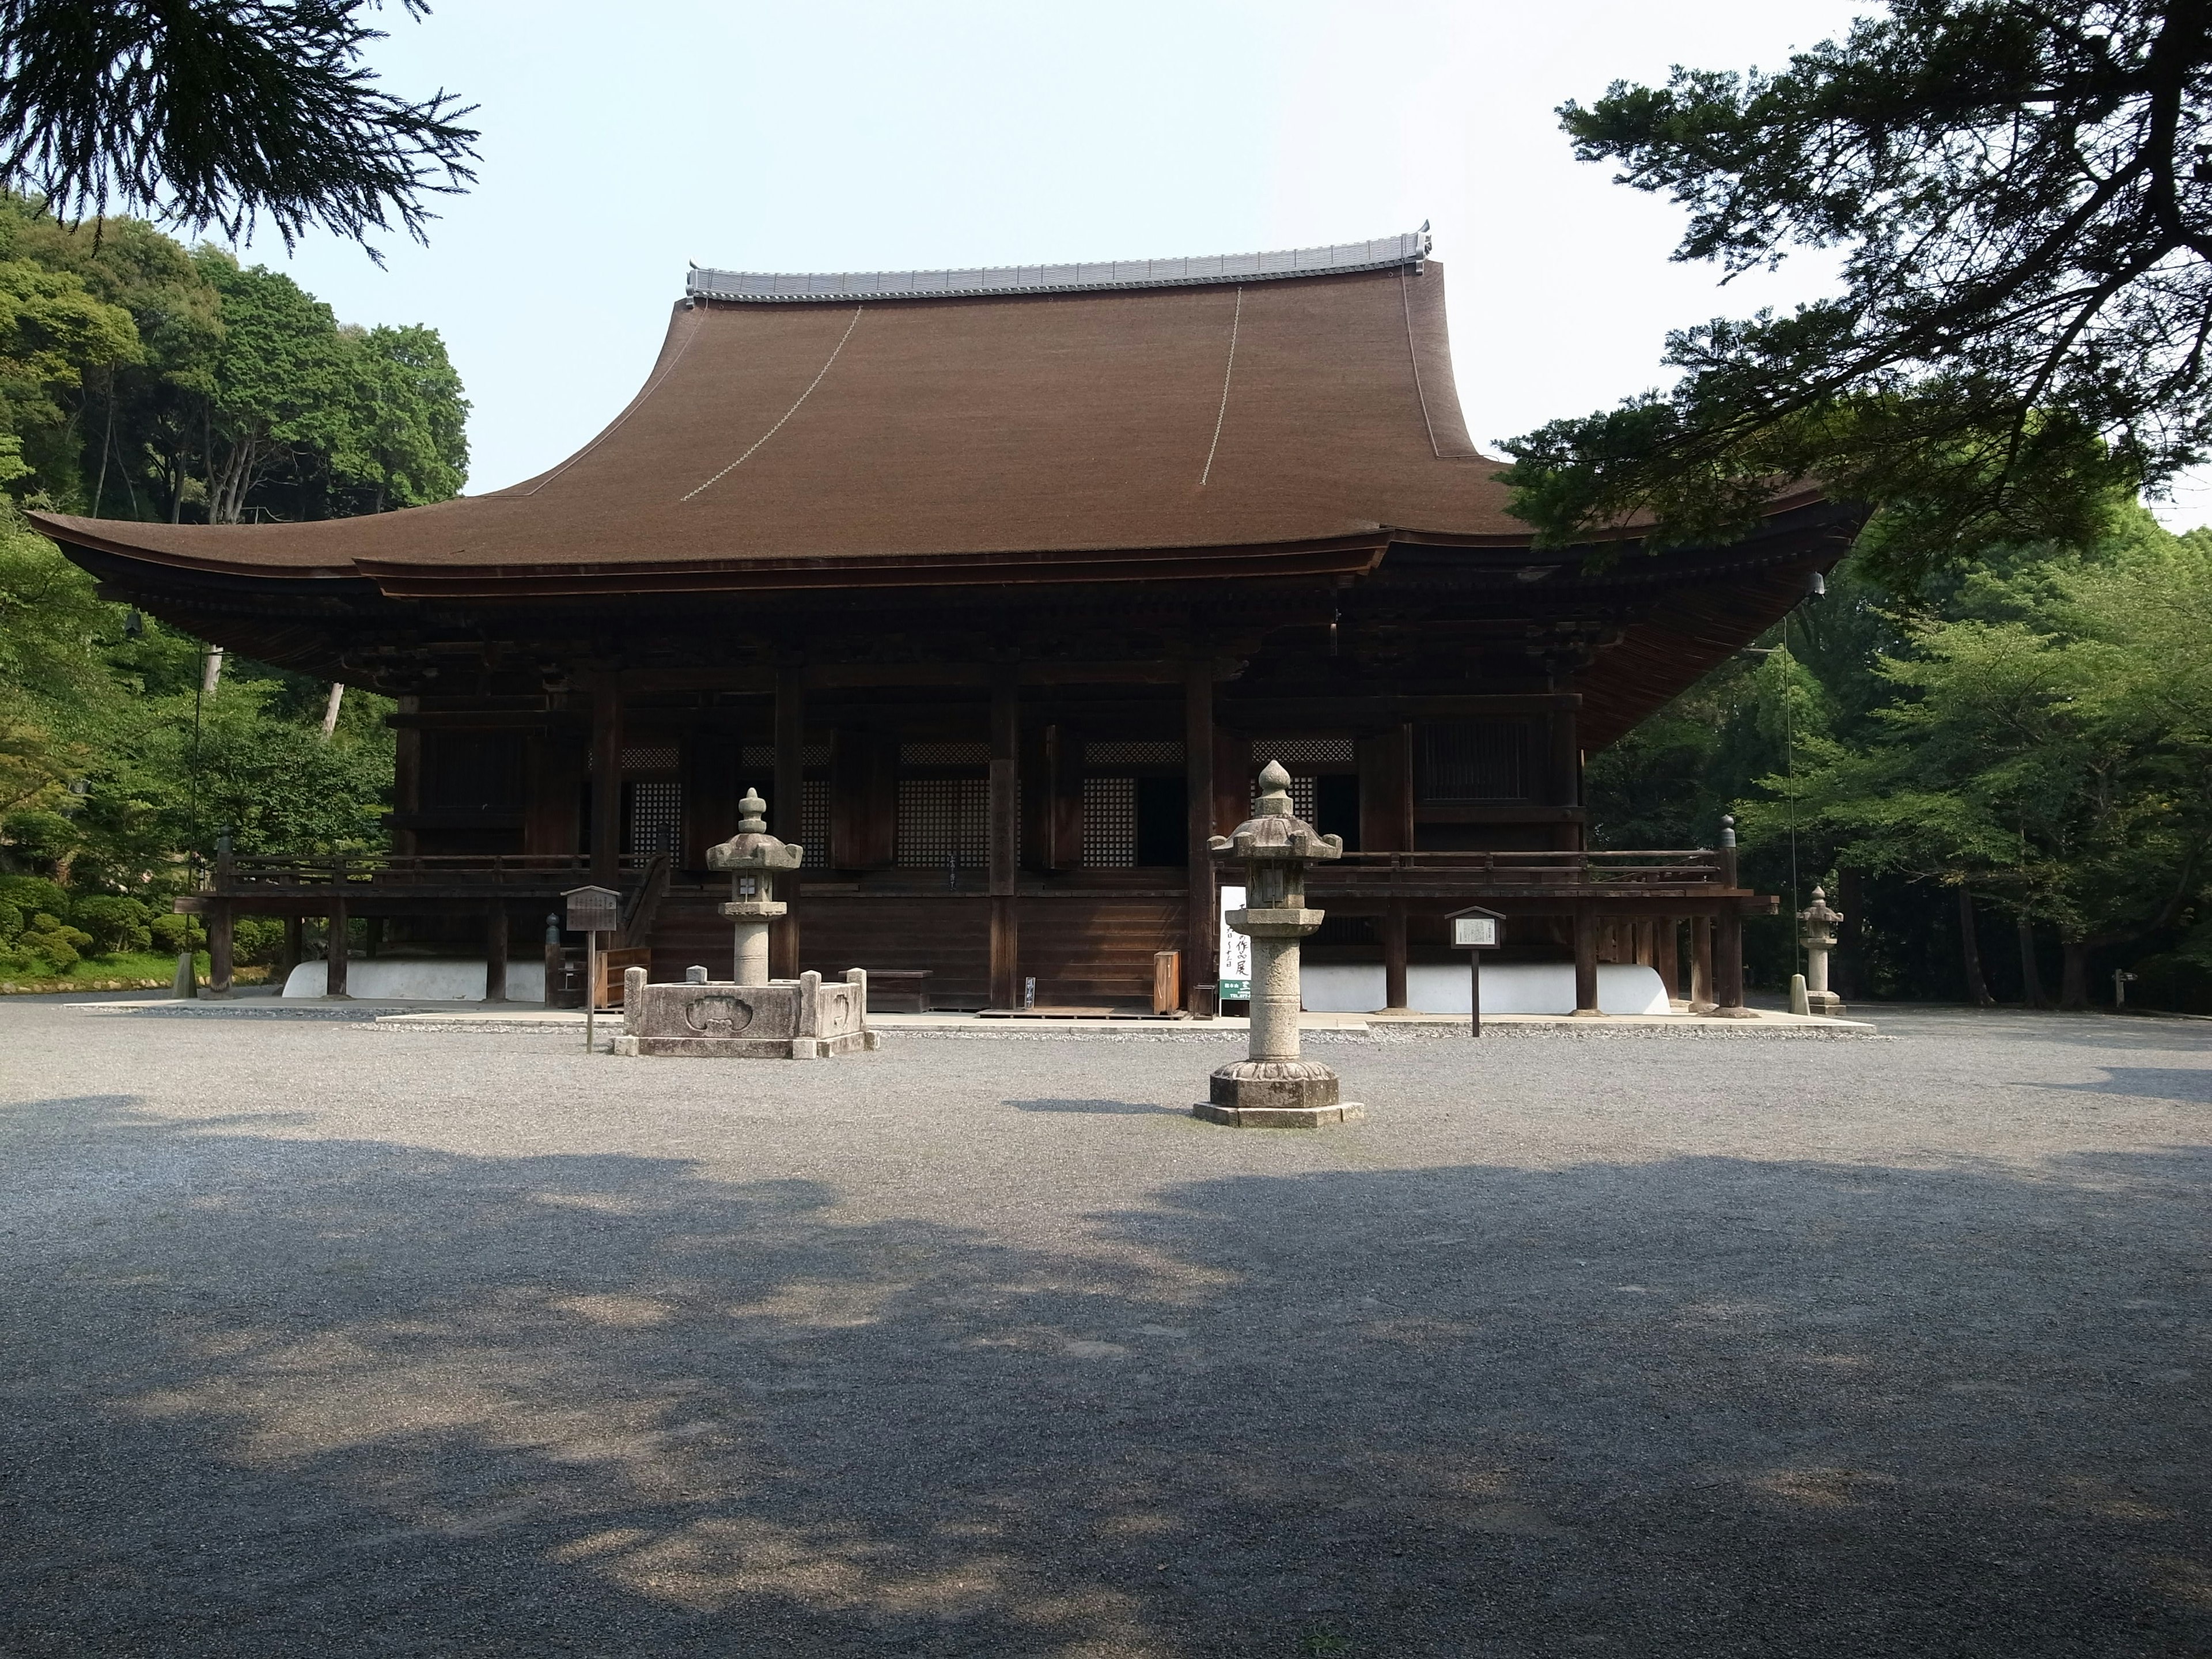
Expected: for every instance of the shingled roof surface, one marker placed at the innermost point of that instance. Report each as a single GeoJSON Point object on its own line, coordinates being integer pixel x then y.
{"type": "Point", "coordinates": [1034, 427]}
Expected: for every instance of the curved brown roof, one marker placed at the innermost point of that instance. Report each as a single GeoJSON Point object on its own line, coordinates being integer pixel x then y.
{"type": "Point", "coordinates": [897, 439]}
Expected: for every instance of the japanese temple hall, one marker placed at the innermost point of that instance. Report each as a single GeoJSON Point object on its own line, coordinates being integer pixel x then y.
{"type": "Point", "coordinates": [1000, 586]}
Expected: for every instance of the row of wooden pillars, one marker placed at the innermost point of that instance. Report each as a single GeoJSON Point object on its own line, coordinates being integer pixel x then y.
{"type": "Point", "coordinates": [1715, 955]}
{"type": "Point", "coordinates": [218, 918]}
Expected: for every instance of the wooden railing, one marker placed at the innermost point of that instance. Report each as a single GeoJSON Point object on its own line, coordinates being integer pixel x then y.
{"type": "Point", "coordinates": [1625, 869]}
{"type": "Point", "coordinates": [249, 872]}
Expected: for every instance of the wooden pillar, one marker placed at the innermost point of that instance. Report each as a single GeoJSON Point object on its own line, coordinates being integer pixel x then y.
{"type": "Point", "coordinates": [1005, 836]}
{"type": "Point", "coordinates": [220, 960]}
{"type": "Point", "coordinates": [1701, 964]}
{"type": "Point", "coordinates": [1566, 767]}
{"type": "Point", "coordinates": [495, 954]}
{"type": "Point", "coordinates": [1198, 965]}
{"type": "Point", "coordinates": [335, 956]}
{"type": "Point", "coordinates": [406, 778]}
{"type": "Point", "coordinates": [1064, 752]}
{"type": "Point", "coordinates": [787, 809]}
{"type": "Point", "coordinates": [1666, 955]}
{"type": "Point", "coordinates": [1585, 961]}
{"type": "Point", "coordinates": [1728, 968]}
{"type": "Point", "coordinates": [291, 957]}
{"type": "Point", "coordinates": [606, 780]}
{"type": "Point", "coordinates": [1394, 956]}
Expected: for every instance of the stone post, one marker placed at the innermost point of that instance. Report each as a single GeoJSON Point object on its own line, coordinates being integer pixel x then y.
{"type": "Point", "coordinates": [1819, 938]}
{"type": "Point", "coordinates": [1272, 1087]}
{"type": "Point", "coordinates": [753, 857]}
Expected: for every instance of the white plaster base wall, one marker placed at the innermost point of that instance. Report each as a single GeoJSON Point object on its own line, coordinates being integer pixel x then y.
{"type": "Point", "coordinates": [428, 979]}
{"type": "Point", "coordinates": [1514, 987]}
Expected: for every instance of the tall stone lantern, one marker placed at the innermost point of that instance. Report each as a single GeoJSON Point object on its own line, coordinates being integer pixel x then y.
{"type": "Point", "coordinates": [753, 858]}
{"type": "Point", "coordinates": [1818, 938]}
{"type": "Point", "coordinates": [1272, 1087]}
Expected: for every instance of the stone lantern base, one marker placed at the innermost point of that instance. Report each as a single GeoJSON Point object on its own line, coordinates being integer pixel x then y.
{"type": "Point", "coordinates": [1275, 1094]}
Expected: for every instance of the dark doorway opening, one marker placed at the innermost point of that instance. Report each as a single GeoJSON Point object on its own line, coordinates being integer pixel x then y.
{"type": "Point", "coordinates": [1162, 826]}
{"type": "Point", "coordinates": [1336, 808]}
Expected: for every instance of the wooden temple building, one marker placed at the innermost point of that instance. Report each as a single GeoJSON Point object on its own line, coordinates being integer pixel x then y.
{"type": "Point", "coordinates": [1001, 584]}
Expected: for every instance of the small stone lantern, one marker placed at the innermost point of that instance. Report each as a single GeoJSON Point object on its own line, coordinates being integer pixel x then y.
{"type": "Point", "coordinates": [1272, 1087]}
{"type": "Point", "coordinates": [1818, 938]}
{"type": "Point", "coordinates": [753, 857]}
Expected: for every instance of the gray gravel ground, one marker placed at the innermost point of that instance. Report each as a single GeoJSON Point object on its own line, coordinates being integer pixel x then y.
{"type": "Point", "coordinates": [321, 1337]}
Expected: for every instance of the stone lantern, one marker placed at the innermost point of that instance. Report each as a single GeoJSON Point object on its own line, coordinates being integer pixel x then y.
{"type": "Point", "coordinates": [1272, 1087]}
{"type": "Point", "coordinates": [1818, 938]}
{"type": "Point", "coordinates": [753, 857]}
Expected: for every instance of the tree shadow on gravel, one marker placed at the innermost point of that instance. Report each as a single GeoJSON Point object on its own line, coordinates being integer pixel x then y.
{"type": "Point", "coordinates": [359, 1397]}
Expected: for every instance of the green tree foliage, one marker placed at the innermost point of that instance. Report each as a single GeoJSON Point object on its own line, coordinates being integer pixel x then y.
{"type": "Point", "coordinates": [2025, 196]}
{"type": "Point", "coordinates": [2037, 732]}
{"type": "Point", "coordinates": [219, 113]}
{"type": "Point", "coordinates": [140, 380]}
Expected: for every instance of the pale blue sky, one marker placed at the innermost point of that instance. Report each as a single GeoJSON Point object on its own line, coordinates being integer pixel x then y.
{"type": "Point", "coordinates": [620, 142]}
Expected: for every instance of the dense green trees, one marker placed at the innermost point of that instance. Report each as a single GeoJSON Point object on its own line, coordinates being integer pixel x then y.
{"type": "Point", "coordinates": [140, 378]}
{"type": "Point", "coordinates": [2036, 734]}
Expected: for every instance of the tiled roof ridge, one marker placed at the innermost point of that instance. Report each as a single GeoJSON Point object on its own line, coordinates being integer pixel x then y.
{"type": "Point", "coordinates": [1336, 258]}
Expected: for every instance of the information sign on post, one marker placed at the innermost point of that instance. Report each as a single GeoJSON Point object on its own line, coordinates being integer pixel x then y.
{"type": "Point", "coordinates": [1474, 930]}
{"type": "Point", "coordinates": [1236, 952]}
{"type": "Point", "coordinates": [592, 911]}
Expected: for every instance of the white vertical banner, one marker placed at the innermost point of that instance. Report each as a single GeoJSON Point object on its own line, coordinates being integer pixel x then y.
{"type": "Point", "coordinates": [1235, 951]}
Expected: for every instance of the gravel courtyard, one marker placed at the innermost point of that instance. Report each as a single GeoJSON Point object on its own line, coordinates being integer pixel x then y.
{"type": "Point", "coordinates": [322, 1338]}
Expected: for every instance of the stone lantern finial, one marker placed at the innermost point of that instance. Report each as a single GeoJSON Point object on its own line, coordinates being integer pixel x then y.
{"type": "Point", "coordinates": [1272, 1086]}
{"type": "Point", "coordinates": [752, 814]}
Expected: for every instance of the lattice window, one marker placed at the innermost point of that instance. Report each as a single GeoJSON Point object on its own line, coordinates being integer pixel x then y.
{"type": "Point", "coordinates": [1302, 799]}
{"type": "Point", "coordinates": [944, 754]}
{"type": "Point", "coordinates": [1295, 752]}
{"type": "Point", "coordinates": [654, 757]}
{"type": "Point", "coordinates": [814, 821]}
{"type": "Point", "coordinates": [1110, 822]}
{"type": "Point", "coordinates": [763, 754]}
{"type": "Point", "coordinates": [940, 818]}
{"type": "Point", "coordinates": [656, 817]}
{"type": "Point", "coordinates": [1133, 754]}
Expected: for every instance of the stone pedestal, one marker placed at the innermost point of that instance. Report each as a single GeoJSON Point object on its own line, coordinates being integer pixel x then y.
{"type": "Point", "coordinates": [1272, 1087]}
{"type": "Point", "coordinates": [804, 1018]}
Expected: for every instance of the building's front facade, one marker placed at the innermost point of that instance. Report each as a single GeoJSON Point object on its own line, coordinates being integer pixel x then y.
{"type": "Point", "coordinates": [1000, 586]}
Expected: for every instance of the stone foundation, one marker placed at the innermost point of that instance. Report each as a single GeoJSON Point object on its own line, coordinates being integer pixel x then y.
{"type": "Point", "coordinates": [1275, 1094]}
{"type": "Point", "coordinates": [802, 1018]}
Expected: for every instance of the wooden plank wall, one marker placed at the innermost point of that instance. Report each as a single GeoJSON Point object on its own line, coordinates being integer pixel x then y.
{"type": "Point", "coordinates": [1080, 950]}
